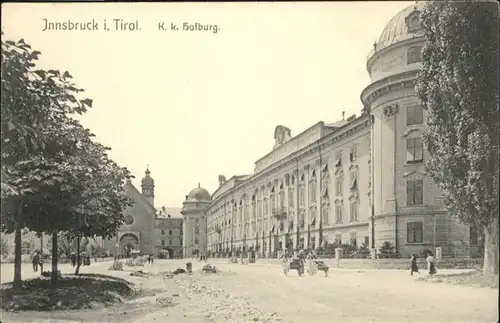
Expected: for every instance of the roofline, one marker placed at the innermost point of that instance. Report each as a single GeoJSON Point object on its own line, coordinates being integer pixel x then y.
{"type": "Point", "coordinates": [297, 135]}
{"type": "Point", "coordinates": [297, 155]}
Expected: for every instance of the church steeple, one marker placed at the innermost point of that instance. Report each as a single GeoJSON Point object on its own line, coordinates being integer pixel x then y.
{"type": "Point", "coordinates": [148, 186]}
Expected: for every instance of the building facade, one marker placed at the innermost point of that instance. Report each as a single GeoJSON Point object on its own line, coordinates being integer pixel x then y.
{"type": "Point", "coordinates": [169, 231]}
{"type": "Point", "coordinates": [195, 221]}
{"type": "Point", "coordinates": [147, 228]}
{"type": "Point", "coordinates": [357, 181]}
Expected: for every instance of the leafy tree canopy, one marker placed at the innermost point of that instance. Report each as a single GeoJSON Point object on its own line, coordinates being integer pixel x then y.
{"type": "Point", "coordinates": [458, 85]}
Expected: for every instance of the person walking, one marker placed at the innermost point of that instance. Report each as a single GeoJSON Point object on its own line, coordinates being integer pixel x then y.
{"type": "Point", "coordinates": [35, 260]}
{"type": "Point", "coordinates": [430, 264]}
{"type": "Point", "coordinates": [413, 263]}
{"type": "Point", "coordinates": [73, 259]}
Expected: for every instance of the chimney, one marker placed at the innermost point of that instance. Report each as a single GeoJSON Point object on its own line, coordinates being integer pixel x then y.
{"type": "Point", "coordinates": [186, 197]}
{"type": "Point", "coordinates": [343, 114]}
{"type": "Point", "coordinates": [168, 216]}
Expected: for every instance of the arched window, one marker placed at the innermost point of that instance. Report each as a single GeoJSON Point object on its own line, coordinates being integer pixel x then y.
{"type": "Point", "coordinates": [414, 55]}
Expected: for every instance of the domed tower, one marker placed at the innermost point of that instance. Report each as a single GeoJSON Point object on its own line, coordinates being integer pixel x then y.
{"type": "Point", "coordinates": [402, 195]}
{"type": "Point", "coordinates": [195, 222]}
{"type": "Point", "coordinates": [148, 187]}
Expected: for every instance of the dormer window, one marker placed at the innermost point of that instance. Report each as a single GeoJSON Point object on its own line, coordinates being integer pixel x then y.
{"type": "Point", "coordinates": [413, 22]}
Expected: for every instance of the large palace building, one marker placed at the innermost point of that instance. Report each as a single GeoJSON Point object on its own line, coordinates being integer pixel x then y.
{"type": "Point", "coordinates": [358, 180]}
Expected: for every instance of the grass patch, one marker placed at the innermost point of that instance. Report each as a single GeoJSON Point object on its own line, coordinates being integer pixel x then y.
{"type": "Point", "coordinates": [475, 279]}
{"type": "Point", "coordinates": [72, 292]}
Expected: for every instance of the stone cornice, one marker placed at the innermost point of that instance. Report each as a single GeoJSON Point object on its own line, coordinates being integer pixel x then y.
{"type": "Point", "coordinates": [373, 55]}
{"type": "Point", "coordinates": [388, 84]}
{"type": "Point", "coordinates": [350, 129]}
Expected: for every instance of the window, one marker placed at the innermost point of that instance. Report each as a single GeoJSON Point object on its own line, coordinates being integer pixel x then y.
{"type": "Point", "coordinates": [196, 230]}
{"type": "Point", "coordinates": [266, 206]}
{"type": "Point", "coordinates": [414, 192]}
{"type": "Point", "coordinates": [170, 242]}
{"type": "Point", "coordinates": [170, 232]}
{"type": "Point", "coordinates": [338, 186]}
{"type": "Point", "coordinates": [312, 191]}
{"type": "Point", "coordinates": [301, 220]}
{"type": "Point", "coordinates": [302, 194]}
{"type": "Point", "coordinates": [414, 150]}
{"type": "Point", "coordinates": [473, 239]}
{"type": "Point", "coordinates": [162, 232]}
{"type": "Point", "coordinates": [353, 180]}
{"type": "Point", "coordinates": [414, 232]}
{"type": "Point", "coordinates": [352, 238]}
{"type": "Point", "coordinates": [414, 115]}
{"type": "Point", "coordinates": [354, 212]}
{"type": "Point", "coordinates": [196, 241]}
{"type": "Point", "coordinates": [290, 198]}
{"type": "Point", "coordinates": [338, 214]}
{"type": "Point", "coordinates": [163, 242]}
{"type": "Point", "coordinates": [367, 241]}
{"type": "Point", "coordinates": [312, 217]}
{"type": "Point", "coordinates": [325, 215]}
{"type": "Point", "coordinates": [196, 221]}
{"type": "Point", "coordinates": [414, 55]}
{"type": "Point", "coordinates": [282, 198]}
{"type": "Point", "coordinates": [338, 160]}
{"type": "Point", "coordinates": [353, 154]}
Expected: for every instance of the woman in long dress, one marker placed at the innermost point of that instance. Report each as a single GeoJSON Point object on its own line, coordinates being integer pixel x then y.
{"type": "Point", "coordinates": [430, 264]}
{"type": "Point", "coordinates": [414, 267]}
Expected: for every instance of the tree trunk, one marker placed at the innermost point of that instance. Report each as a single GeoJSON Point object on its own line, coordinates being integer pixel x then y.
{"type": "Point", "coordinates": [491, 261]}
{"type": "Point", "coordinates": [17, 259]}
{"type": "Point", "coordinates": [55, 255]}
{"type": "Point", "coordinates": [77, 270]}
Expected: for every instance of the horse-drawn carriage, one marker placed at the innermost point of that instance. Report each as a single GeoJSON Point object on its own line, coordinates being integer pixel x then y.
{"type": "Point", "coordinates": [300, 264]}
{"type": "Point", "coordinates": [293, 264]}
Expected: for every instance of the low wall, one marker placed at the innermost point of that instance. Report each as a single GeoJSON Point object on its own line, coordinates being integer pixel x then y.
{"type": "Point", "coordinates": [402, 264]}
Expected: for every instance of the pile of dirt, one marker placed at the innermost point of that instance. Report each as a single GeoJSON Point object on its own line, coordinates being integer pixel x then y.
{"type": "Point", "coordinates": [71, 293]}
{"type": "Point", "coordinates": [140, 273]}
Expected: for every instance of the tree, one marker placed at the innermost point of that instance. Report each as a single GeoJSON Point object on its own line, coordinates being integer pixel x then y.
{"type": "Point", "coordinates": [54, 176]}
{"type": "Point", "coordinates": [458, 86]}
{"type": "Point", "coordinates": [34, 107]}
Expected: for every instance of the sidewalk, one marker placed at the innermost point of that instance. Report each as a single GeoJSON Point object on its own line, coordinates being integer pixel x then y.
{"type": "Point", "coordinates": [331, 263]}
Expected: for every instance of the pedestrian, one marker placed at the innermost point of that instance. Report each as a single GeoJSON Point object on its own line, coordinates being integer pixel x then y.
{"type": "Point", "coordinates": [35, 260]}
{"type": "Point", "coordinates": [73, 259]}
{"type": "Point", "coordinates": [430, 264]}
{"type": "Point", "coordinates": [414, 267]}
{"type": "Point", "coordinates": [87, 258]}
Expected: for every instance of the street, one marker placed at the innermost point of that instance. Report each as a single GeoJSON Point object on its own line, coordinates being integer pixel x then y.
{"type": "Point", "coordinates": [261, 292]}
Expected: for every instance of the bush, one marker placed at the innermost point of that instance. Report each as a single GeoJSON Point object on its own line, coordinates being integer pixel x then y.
{"type": "Point", "coordinates": [387, 250]}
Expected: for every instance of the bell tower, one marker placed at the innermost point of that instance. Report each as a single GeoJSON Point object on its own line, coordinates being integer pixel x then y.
{"type": "Point", "coordinates": [148, 186]}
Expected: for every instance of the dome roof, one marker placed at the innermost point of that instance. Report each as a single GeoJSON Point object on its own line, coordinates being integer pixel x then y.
{"type": "Point", "coordinates": [403, 26]}
{"type": "Point", "coordinates": [199, 194]}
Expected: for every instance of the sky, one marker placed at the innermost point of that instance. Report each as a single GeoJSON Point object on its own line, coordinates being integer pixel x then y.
{"type": "Point", "coordinates": [196, 104]}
